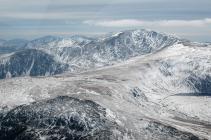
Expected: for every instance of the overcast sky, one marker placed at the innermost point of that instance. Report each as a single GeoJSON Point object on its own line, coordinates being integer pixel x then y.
{"type": "Point", "coordinates": [30, 19]}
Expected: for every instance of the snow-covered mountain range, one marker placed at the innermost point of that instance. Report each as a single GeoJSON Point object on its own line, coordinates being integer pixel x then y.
{"type": "Point", "coordinates": [81, 53]}
{"type": "Point", "coordinates": [131, 85]}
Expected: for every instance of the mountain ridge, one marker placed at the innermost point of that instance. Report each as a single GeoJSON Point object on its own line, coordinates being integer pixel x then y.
{"type": "Point", "coordinates": [84, 53]}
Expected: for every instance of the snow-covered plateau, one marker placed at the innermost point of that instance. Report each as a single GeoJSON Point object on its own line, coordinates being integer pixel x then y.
{"type": "Point", "coordinates": [131, 85]}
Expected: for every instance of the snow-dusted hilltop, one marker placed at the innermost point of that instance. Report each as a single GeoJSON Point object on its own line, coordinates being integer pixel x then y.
{"type": "Point", "coordinates": [80, 53]}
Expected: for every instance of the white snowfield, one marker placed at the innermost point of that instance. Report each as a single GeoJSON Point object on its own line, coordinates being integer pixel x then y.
{"type": "Point", "coordinates": [156, 87]}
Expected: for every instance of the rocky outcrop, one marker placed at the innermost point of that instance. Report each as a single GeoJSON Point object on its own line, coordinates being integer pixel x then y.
{"type": "Point", "coordinates": [60, 118]}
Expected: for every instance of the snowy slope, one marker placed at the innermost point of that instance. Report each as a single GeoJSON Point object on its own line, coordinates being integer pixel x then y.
{"type": "Point", "coordinates": [29, 63]}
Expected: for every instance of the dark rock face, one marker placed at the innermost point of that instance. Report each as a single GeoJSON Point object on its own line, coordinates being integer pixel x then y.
{"type": "Point", "coordinates": [161, 131]}
{"type": "Point", "coordinates": [32, 63]}
{"type": "Point", "coordinates": [202, 85]}
{"type": "Point", "coordinates": [137, 93]}
{"type": "Point", "coordinates": [60, 118]}
{"type": "Point", "coordinates": [164, 69]}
